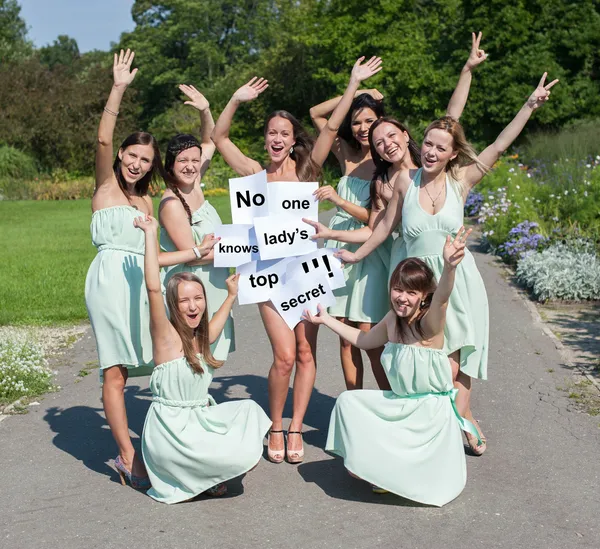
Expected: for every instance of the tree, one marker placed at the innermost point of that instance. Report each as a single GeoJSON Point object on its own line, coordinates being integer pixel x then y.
{"type": "Point", "coordinates": [13, 33]}
{"type": "Point", "coordinates": [64, 51]}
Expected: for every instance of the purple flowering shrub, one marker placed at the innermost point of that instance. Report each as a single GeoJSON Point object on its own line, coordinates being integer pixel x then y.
{"type": "Point", "coordinates": [473, 204]}
{"type": "Point", "coordinates": [523, 239]}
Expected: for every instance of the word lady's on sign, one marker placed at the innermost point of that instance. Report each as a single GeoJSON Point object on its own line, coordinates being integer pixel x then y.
{"type": "Point", "coordinates": [283, 236]}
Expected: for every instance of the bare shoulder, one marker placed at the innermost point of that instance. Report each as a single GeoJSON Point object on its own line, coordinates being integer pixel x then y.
{"type": "Point", "coordinates": [170, 207]}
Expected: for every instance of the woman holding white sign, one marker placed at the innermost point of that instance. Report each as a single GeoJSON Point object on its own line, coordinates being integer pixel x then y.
{"type": "Point", "coordinates": [293, 158]}
{"type": "Point", "coordinates": [407, 440]}
{"type": "Point", "coordinates": [186, 217]}
{"type": "Point", "coordinates": [430, 204]}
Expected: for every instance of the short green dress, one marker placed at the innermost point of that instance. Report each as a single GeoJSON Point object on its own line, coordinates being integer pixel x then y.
{"type": "Point", "coordinates": [189, 442]}
{"type": "Point", "coordinates": [364, 298]}
{"type": "Point", "coordinates": [204, 220]}
{"type": "Point", "coordinates": [467, 316]}
{"type": "Point", "coordinates": [406, 440]}
{"type": "Point", "coordinates": [115, 291]}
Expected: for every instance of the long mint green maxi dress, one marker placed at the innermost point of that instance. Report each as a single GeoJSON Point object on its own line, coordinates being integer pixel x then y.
{"type": "Point", "coordinates": [467, 316]}
{"type": "Point", "coordinates": [115, 291]}
{"type": "Point", "coordinates": [406, 440]}
{"type": "Point", "coordinates": [204, 220]}
{"type": "Point", "coordinates": [190, 443]}
{"type": "Point", "coordinates": [364, 298]}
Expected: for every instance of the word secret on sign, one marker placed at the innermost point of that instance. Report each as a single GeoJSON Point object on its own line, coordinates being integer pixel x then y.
{"type": "Point", "coordinates": [260, 279]}
{"type": "Point", "coordinates": [248, 197]}
{"type": "Point", "coordinates": [283, 236]}
{"type": "Point", "coordinates": [293, 198]}
{"type": "Point", "coordinates": [298, 294]}
{"type": "Point", "coordinates": [321, 262]}
{"type": "Point", "coordinates": [237, 245]}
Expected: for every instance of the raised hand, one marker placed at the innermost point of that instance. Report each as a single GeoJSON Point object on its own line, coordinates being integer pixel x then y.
{"type": "Point", "coordinates": [208, 243]}
{"type": "Point", "coordinates": [322, 231]}
{"type": "Point", "coordinates": [197, 100]}
{"type": "Point", "coordinates": [542, 93]}
{"type": "Point", "coordinates": [361, 71]}
{"type": "Point", "coordinates": [122, 73]}
{"type": "Point", "coordinates": [327, 192]}
{"type": "Point", "coordinates": [454, 248]}
{"type": "Point", "coordinates": [477, 56]}
{"type": "Point", "coordinates": [375, 94]}
{"type": "Point", "coordinates": [319, 318]}
{"type": "Point", "coordinates": [146, 223]}
{"type": "Point", "coordinates": [251, 90]}
{"type": "Point", "coordinates": [232, 285]}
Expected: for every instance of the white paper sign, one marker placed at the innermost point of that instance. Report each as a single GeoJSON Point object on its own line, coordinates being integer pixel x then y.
{"type": "Point", "coordinates": [293, 198]}
{"type": "Point", "coordinates": [237, 245]}
{"type": "Point", "coordinates": [248, 197]}
{"type": "Point", "coordinates": [298, 294]}
{"type": "Point", "coordinates": [260, 279]}
{"type": "Point", "coordinates": [319, 263]}
{"type": "Point", "coordinates": [283, 236]}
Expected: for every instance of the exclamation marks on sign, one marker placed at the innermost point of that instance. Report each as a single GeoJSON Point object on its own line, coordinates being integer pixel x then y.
{"type": "Point", "coordinates": [315, 263]}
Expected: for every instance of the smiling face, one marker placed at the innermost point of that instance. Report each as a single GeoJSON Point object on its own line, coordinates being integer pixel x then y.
{"type": "Point", "coordinates": [186, 167]}
{"type": "Point", "coordinates": [405, 303]}
{"type": "Point", "coordinates": [391, 143]}
{"type": "Point", "coordinates": [191, 302]}
{"type": "Point", "coordinates": [136, 162]}
{"type": "Point", "coordinates": [437, 150]}
{"type": "Point", "coordinates": [361, 121]}
{"type": "Point", "coordinates": [279, 138]}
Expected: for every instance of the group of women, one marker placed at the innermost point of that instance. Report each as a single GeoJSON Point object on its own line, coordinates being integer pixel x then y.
{"type": "Point", "coordinates": [423, 352]}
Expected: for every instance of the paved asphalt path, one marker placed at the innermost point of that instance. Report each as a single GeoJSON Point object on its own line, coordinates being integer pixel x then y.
{"type": "Point", "coordinates": [537, 486]}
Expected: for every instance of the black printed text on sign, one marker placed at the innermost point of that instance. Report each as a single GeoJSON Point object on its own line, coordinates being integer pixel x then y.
{"type": "Point", "coordinates": [319, 263]}
{"type": "Point", "coordinates": [293, 199]}
{"type": "Point", "coordinates": [237, 245]}
{"type": "Point", "coordinates": [259, 280]}
{"type": "Point", "coordinates": [283, 236]}
{"type": "Point", "coordinates": [248, 197]}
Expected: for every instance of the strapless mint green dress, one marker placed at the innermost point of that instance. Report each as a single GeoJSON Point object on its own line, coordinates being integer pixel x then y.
{"type": "Point", "coordinates": [204, 220]}
{"type": "Point", "coordinates": [115, 291]}
{"type": "Point", "coordinates": [364, 298]}
{"type": "Point", "coordinates": [467, 316]}
{"type": "Point", "coordinates": [406, 440]}
{"type": "Point", "coordinates": [189, 442]}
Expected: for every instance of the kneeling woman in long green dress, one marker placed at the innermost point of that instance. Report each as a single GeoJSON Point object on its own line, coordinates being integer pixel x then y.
{"type": "Point", "coordinates": [407, 440]}
{"type": "Point", "coordinates": [190, 444]}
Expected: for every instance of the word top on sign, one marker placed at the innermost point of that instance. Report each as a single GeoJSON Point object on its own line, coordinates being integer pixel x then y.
{"type": "Point", "coordinates": [237, 245]}
{"type": "Point", "coordinates": [260, 279]}
{"type": "Point", "coordinates": [283, 236]}
{"type": "Point", "coordinates": [293, 198]}
{"type": "Point", "coordinates": [248, 197]}
{"type": "Point", "coordinates": [298, 294]}
{"type": "Point", "coordinates": [321, 263]}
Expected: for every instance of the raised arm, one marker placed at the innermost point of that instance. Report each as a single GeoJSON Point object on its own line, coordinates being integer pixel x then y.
{"type": "Point", "coordinates": [474, 173]}
{"type": "Point", "coordinates": [217, 322]}
{"type": "Point", "coordinates": [207, 124]}
{"type": "Point", "coordinates": [377, 337]}
{"type": "Point", "coordinates": [240, 163]}
{"type": "Point", "coordinates": [122, 77]}
{"type": "Point", "coordinates": [360, 71]}
{"type": "Point", "coordinates": [320, 112]}
{"type": "Point", "coordinates": [457, 103]}
{"type": "Point", "coordinates": [453, 253]}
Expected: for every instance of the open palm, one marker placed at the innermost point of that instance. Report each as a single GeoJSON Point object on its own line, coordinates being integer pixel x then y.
{"type": "Point", "coordinates": [122, 73]}
{"type": "Point", "coordinates": [251, 90]}
{"type": "Point", "coordinates": [196, 99]}
{"type": "Point", "coordinates": [361, 71]}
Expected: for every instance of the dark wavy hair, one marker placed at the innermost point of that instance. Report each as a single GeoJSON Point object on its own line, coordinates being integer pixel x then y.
{"type": "Point", "coordinates": [181, 142]}
{"type": "Point", "coordinates": [362, 101]}
{"type": "Point", "coordinates": [306, 168]}
{"type": "Point", "coordinates": [153, 175]}
{"type": "Point", "coordinates": [382, 166]}
{"type": "Point", "coordinates": [413, 274]}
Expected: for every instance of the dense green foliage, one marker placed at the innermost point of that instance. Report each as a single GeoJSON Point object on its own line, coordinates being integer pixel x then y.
{"type": "Point", "coordinates": [52, 98]}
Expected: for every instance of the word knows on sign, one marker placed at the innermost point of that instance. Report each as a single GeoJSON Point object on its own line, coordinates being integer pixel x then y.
{"type": "Point", "coordinates": [237, 245]}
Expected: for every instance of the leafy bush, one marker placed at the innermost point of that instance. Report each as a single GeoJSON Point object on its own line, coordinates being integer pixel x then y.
{"type": "Point", "coordinates": [15, 164]}
{"type": "Point", "coordinates": [23, 369]}
{"type": "Point", "coordinates": [562, 271]}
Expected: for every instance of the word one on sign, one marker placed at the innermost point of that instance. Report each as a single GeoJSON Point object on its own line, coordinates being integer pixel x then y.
{"type": "Point", "coordinates": [293, 198]}
{"type": "Point", "coordinates": [248, 197]}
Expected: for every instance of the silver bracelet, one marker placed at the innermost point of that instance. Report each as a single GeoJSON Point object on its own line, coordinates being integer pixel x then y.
{"type": "Point", "coordinates": [197, 252]}
{"type": "Point", "coordinates": [111, 112]}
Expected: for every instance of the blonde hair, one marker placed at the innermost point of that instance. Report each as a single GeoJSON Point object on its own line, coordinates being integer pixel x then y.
{"type": "Point", "coordinates": [187, 334]}
{"type": "Point", "coordinates": [466, 153]}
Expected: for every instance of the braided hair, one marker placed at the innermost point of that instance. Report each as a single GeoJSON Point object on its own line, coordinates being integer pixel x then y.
{"type": "Point", "coordinates": [177, 144]}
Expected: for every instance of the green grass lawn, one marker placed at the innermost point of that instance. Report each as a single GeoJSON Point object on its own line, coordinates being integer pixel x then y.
{"type": "Point", "coordinates": [46, 252]}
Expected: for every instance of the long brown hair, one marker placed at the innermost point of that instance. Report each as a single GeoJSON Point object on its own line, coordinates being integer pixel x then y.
{"type": "Point", "coordinates": [187, 334]}
{"type": "Point", "coordinates": [466, 153]}
{"type": "Point", "coordinates": [157, 170]}
{"type": "Point", "coordinates": [306, 167]}
{"type": "Point", "coordinates": [413, 274]}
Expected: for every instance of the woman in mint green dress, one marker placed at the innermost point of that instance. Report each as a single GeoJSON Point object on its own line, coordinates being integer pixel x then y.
{"type": "Point", "coordinates": [407, 440]}
{"type": "Point", "coordinates": [186, 217]}
{"type": "Point", "coordinates": [114, 286]}
{"type": "Point", "coordinates": [429, 201]}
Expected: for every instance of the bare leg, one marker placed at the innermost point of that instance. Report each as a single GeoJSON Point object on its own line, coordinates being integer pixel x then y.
{"type": "Point", "coordinates": [113, 400]}
{"type": "Point", "coordinates": [375, 359]}
{"type": "Point", "coordinates": [352, 364]}
{"type": "Point", "coordinates": [283, 344]}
